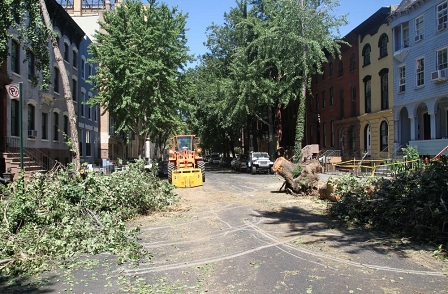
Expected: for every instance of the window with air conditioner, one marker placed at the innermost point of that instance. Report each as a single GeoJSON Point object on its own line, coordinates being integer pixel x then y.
{"type": "Point", "coordinates": [419, 28]}
{"type": "Point", "coordinates": [32, 133]}
{"type": "Point", "coordinates": [442, 16]}
{"type": "Point", "coordinates": [441, 73]}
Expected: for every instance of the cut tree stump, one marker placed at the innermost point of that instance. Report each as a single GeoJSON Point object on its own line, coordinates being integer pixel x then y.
{"type": "Point", "coordinates": [306, 182]}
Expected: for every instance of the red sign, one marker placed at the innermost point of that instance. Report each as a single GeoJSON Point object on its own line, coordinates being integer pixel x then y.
{"type": "Point", "coordinates": [13, 91]}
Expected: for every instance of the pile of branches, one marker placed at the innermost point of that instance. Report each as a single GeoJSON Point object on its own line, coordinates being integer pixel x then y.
{"type": "Point", "coordinates": [414, 204]}
{"type": "Point", "coordinates": [54, 217]}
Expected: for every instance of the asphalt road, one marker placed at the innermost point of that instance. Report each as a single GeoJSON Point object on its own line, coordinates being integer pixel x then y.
{"type": "Point", "coordinates": [239, 234]}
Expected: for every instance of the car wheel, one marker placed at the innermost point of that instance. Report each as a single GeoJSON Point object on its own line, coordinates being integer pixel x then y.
{"type": "Point", "coordinates": [253, 170]}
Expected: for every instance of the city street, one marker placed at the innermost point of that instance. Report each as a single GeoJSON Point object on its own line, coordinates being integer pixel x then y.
{"type": "Point", "coordinates": [239, 234]}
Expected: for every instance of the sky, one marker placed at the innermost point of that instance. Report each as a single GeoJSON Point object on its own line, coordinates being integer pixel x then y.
{"type": "Point", "coordinates": [202, 13]}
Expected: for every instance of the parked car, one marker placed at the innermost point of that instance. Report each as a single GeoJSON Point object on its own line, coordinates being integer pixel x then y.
{"type": "Point", "coordinates": [215, 158]}
{"type": "Point", "coordinates": [240, 162]}
{"type": "Point", "coordinates": [225, 161]}
{"type": "Point", "coordinates": [260, 162]}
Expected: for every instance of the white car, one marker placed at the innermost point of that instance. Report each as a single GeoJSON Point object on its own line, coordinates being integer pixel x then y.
{"type": "Point", "coordinates": [260, 162]}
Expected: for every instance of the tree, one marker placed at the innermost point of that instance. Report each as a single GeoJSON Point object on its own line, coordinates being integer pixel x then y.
{"type": "Point", "coordinates": [290, 39]}
{"type": "Point", "coordinates": [33, 24]}
{"type": "Point", "coordinates": [141, 51]}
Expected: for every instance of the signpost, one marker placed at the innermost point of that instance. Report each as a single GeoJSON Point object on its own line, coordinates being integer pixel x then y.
{"type": "Point", "coordinates": [15, 92]}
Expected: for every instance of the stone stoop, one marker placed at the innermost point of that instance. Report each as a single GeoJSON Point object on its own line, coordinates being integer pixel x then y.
{"type": "Point", "coordinates": [12, 160]}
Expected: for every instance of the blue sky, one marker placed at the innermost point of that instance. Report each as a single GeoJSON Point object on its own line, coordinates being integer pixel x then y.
{"type": "Point", "coordinates": [202, 13]}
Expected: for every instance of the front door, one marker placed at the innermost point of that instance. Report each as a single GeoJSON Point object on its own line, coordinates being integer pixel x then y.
{"type": "Point", "coordinates": [426, 126]}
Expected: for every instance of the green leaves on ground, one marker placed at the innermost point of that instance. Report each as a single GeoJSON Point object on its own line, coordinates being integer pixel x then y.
{"type": "Point", "coordinates": [59, 216]}
{"type": "Point", "coordinates": [413, 204]}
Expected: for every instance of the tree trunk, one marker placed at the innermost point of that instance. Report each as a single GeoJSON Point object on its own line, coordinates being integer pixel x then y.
{"type": "Point", "coordinates": [67, 92]}
{"type": "Point", "coordinates": [306, 182]}
{"type": "Point", "coordinates": [286, 168]}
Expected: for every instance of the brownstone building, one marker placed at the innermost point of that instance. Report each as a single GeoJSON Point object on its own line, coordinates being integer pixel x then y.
{"type": "Point", "coordinates": [333, 104]}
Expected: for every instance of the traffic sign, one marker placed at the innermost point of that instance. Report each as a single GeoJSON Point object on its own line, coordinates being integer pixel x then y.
{"type": "Point", "coordinates": [13, 91]}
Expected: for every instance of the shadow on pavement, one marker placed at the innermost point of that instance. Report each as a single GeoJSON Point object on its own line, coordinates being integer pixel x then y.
{"type": "Point", "coordinates": [321, 228]}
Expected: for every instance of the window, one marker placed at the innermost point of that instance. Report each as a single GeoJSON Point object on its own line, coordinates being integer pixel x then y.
{"type": "Point", "coordinates": [352, 62]}
{"type": "Point", "coordinates": [317, 104]}
{"type": "Point", "coordinates": [442, 16]}
{"type": "Point", "coordinates": [367, 94]}
{"type": "Point", "coordinates": [442, 58]}
{"type": "Point", "coordinates": [75, 59]}
{"type": "Point", "coordinates": [56, 80]}
{"type": "Point", "coordinates": [95, 113]}
{"type": "Point", "coordinates": [83, 99]}
{"type": "Point", "coordinates": [331, 96]}
{"type": "Point", "coordinates": [15, 57]}
{"type": "Point", "coordinates": [341, 103]}
{"type": "Point", "coordinates": [384, 40]}
{"type": "Point", "coordinates": [384, 137]}
{"type": "Point", "coordinates": [81, 149]}
{"type": "Point", "coordinates": [88, 146]}
{"type": "Point", "coordinates": [323, 72]}
{"type": "Point", "coordinates": [340, 68]}
{"type": "Point", "coordinates": [330, 67]}
{"type": "Point", "coordinates": [384, 89]}
{"type": "Point", "coordinates": [332, 133]}
{"type": "Point", "coordinates": [31, 65]}
{"type": "Point", "coordinates": [402, 79]}
{"type": "Point", "coordinates": [366, 54]}
{"type": "Point", "coordinates": [66, 52]}
{"type": "Point", "coordinates": [75, 90]}
{"type": "Point", "coordinates": [90, 70]}
{"type": "Point", "coordinates": [88, 112]}
{"type": "Point", "coordinates": [419, 28]}
{"type": "Point", "coordinates": [311, 102]}
{"type": "Point", "coordinates": [15, 117]}
{"type": "Point", "coordinates": [44, 126]}
{"type": "Point", "coordinates": [324, 100]}
{"type": "Point", "coordinates": [401, 36]}
{"type": "Point", "coordinates": [66, 128]}
{"type": "Point", "coordinates": [55, 126]}
{"type": "Point", "coordinates": [353, 94]}
{"type": "Point", "coordinates": [420, 72]}
{"type": "Point", "coordinates": [31, 116]}
{"type": "Point", "coordinates": [83, 72]}
{"type": "Point", "coordinates": [324, 127]}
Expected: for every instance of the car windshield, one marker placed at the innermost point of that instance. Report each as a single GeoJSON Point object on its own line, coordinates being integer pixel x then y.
{"type": "Point", "coordinates": [260, 155]}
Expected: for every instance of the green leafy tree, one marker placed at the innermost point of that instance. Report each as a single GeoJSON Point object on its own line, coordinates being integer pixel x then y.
{"type": "Point", "coordinates": [288, 43]}
{"type": "Point", "coordinates": [32, 23]}
{"type": "Point", "coordinates": [141, 51]}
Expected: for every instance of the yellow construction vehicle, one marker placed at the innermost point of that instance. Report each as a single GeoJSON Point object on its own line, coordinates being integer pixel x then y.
{"type": "Point", "coordinates": [185, 165]}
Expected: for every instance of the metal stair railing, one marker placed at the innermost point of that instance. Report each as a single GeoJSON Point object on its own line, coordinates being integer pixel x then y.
{"type": "Point", "coordinates": [35, 155]}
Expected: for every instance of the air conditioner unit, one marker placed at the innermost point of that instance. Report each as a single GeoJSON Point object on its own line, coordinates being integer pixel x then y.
{"type": "Point", "coordinates": [441, 26]}
{"type": "Point", "coordinates": [418, 38]}
{"type": "Point", "coordinates": [439, 75]}
{"type": "Point", "coordinates": [32, 133]}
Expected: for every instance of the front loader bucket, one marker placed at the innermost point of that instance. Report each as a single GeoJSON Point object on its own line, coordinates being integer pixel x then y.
{"type": "Point", "coordinates": [187, 177]}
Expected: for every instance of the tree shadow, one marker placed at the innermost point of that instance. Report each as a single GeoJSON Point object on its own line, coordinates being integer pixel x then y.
{"type": "Point", "coordinates": [315, 228]}
{"type": "Point", "coordinates": [25, 285]}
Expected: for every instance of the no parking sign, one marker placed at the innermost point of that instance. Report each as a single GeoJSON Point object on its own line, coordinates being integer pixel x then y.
{"type": "Point", "coordinates": [13, 91]}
